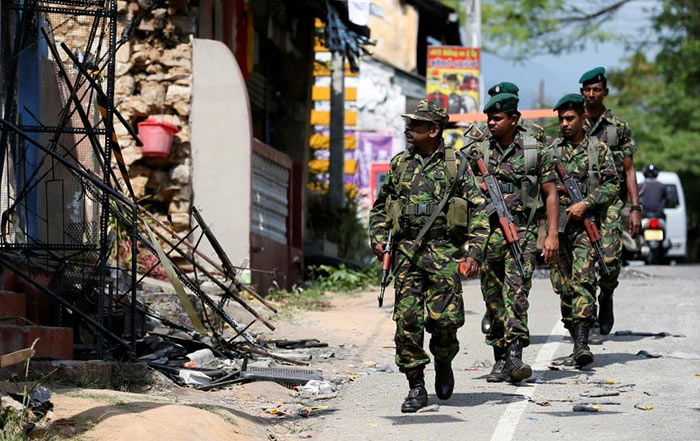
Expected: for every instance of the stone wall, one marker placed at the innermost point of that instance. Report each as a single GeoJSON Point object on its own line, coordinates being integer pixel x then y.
{"type": "Point", "coordinates": [154, 79]}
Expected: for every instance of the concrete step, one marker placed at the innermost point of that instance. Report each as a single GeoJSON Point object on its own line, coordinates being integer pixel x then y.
{"type": "Point", "coordinates": [12, 304]}
{"type": "Point", "coordinates": [38, 304]}
{"type": "Point", "coordinates": [54, 343]}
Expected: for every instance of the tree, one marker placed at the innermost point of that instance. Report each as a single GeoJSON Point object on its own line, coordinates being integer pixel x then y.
{"type": "Point", "coordinates": [659, 98]}
{"type": "Point", "coordinates": [518, 29]}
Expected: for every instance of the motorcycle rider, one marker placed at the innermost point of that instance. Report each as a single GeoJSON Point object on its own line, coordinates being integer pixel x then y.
{"type": "Point", "coordinates": [652, 193]}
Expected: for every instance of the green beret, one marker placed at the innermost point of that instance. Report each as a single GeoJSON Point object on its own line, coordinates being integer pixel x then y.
{"type": "Point", "coordinates": [595, 75]}
{"type": "Point", "coordinates": [503, 87]}
{"type": "Point", "coordinates": [429, 111]}
{"type": "Point", "coordinates": [502, 102]}
{"type": "Point", "coordinates": [570, 101]}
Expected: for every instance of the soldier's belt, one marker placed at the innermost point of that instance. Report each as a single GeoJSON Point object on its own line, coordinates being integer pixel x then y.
{"type": "Point", "coordinates": [418, 209]}
{"type": "Point", "coordinates": [438, 232]}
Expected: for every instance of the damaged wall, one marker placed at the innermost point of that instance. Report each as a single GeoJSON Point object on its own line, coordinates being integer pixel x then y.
{"type": "Point", "coordinates": [154, 79]}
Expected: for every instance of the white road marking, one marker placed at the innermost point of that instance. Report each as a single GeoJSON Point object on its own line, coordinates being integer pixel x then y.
{"type": "Point", "coordinates": [509, 421]}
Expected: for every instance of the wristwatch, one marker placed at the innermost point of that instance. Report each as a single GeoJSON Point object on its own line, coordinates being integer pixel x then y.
{"type": "Point", "coordinates": [636, 207]}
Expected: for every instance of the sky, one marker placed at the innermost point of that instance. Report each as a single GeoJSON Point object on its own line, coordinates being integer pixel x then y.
{"type": "Point", "coordinates": [561, 73]}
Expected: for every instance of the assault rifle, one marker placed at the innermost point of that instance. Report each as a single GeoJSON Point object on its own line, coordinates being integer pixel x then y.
{"type": "Point", "coordinates": [589, 220]}
{"type": "Point", "coordinates": [505, 218]}
{"type": "Point", "coordinates": [386, 267]}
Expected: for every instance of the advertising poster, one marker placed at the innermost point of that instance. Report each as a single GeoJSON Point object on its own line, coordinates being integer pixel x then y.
{"type": "Point", "coordinates": [372, 149]}
{"type": "Point", "coordinates": [453, 78]}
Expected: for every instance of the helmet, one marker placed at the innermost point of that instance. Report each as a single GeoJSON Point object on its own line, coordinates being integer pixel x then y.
{"type": "Point", "coordinates": [651, 171]}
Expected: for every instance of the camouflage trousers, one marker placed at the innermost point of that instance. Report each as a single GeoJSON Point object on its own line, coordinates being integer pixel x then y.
{"type": "Point", "coordinates": [505, 289]}
{"type": "Point", "coordinates": [573, 275]}
{"type": "Point", "coordinates": [427, 301]}
{"type": "Point", "coordinates": [611, 241]}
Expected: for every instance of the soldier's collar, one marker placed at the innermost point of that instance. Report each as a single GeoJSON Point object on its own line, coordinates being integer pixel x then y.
{"type": "Point", "coordinates": [608, 116]}
{"type": "Point", "coordinates": [516, 141]}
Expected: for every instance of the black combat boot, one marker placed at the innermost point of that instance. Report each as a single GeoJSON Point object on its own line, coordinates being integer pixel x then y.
{"type": "Point", "coordinates": [605, 312]}
{"type": "Point", "coordinates": [515, 369]}
{"type": "Point", "coordinates": [485, 323]}
{"type": "Point", "coordinates": [417, 397]}
{"type": "Point", "coordinates": [497, 375]}
{"type": "Point", "coordinates": [569, 361]}
{"type": "Point", "coordinates": [594, 337]}
{"type": "Point", "coordinates": [444, 380]}
{"type": "Point", "coordinates": [582, 353]}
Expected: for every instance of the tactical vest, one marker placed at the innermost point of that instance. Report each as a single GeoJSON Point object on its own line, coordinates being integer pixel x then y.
{"type": "Point", "coordinates": [611, 140]}
{"type": "Point", "coordinates": [593, 158]}
{"type": "Point", "coordinates": [529, 187]}
{"type": "Point", "coordinates": [457, 211]}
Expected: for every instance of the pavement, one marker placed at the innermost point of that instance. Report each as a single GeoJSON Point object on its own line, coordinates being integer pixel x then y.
{"type": "Point", "coordinates": [633, 397]}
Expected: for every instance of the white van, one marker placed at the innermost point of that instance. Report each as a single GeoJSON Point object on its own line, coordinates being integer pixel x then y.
{"type": "Point", "coordinates": [676, 228]}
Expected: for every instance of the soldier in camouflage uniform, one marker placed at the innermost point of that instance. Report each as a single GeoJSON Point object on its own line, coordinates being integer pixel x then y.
{"type": "Point", "coordinates": [573, 273]}
{"type": "Point", "coordinates": [533, 130]}
{"type": "Point", "coordinates": [427, 285]}
{"type": "Point", "coordinates": [615, 133]}
{"type": "Point", "coordinates": [523, 168]}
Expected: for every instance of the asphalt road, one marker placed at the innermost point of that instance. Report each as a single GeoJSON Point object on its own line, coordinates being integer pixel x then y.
{"type": "Point", "coordinates": [648, 398]}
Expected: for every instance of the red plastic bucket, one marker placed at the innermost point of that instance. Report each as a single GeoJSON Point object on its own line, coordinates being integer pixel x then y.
{"type": "Point", "coordinates": [157, 137]}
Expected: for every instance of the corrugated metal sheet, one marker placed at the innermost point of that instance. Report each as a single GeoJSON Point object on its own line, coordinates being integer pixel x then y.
{"type": "Point", "coordinates": [270, 202]}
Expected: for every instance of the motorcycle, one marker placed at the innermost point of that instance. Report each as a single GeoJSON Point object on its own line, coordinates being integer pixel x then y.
{"type": "Point", "coordinates": [655, 241]}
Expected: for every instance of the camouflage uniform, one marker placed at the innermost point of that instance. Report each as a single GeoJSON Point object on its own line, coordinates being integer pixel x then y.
{"type": "Point", "coordinates": [427, 280]}
{"type": "Point", "coordinates": [504, 288]}
{"type": "Point", "coordinates": [534, 130]}
{"type": "Point", "coordinates": [573, 271]}
{"type": "Point", "coordinates": [611, 225]}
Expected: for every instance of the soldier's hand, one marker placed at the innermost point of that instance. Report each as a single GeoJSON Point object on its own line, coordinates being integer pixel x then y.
{"type": "Point", "coordinates": [469, 267]}
{"type": "Point", "coordinates": [577, 210]}
{"type": "Point", "coordinates": [551, 247]}
{"type": "Point", "coordinates": [635, 223]}
{"type": "Point", "coordinates": [379, 250]}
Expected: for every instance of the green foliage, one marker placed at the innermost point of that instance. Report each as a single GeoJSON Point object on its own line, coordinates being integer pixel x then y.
{"type": "Point", "coordinates": [323, 279]}
{"type": "Point", "coordinates": [308, 297]}
{"type": "Point", "coordinates": [659, 98]}
{"type": "Point", "coordinates": [341, 227]}
{"type": "Point", "coordinates": [519, 29]}
{"type": "Point", "coordinates": [344, 279]}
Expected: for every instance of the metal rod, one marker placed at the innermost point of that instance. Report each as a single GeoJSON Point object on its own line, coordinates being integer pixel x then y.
{"type": "Point", "coordinates": [99, 90]}
{"type": "Point", "coordinates": [229, 270]}
{"type": "Point", "coordinates": [62, 301]}
{"type": "Point", "coordinates": [218, 283]}
{"type": "Point", "coordinates": [10, 106]}
{"type": "Point", "coordinates": [99, 184]}
{"type": "Point", "coordinates": [134, 264]}
{"type": "Point", "coordinates": [167, 254]}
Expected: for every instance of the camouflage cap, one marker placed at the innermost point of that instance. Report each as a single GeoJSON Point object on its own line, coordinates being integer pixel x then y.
{"type": "Point", "coordinates": [569, 102]}
{"type": "Point", "coordinates": [503, 87]}
{"type": "Point", "coordinates": [429, 111]}
{"type": "Point", "coordinates": [502, 102]}
{"type": "Point", "coordinates": [595, 75]}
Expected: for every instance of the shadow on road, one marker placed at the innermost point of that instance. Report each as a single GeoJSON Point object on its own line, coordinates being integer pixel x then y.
{"type": "Point", "coordinates": [542, 339]}
{"type": "Point", "coordinates": [472, 399]}
{"type": "Point", "coordinates": [422, 418]}
{"type": "Point", "coordinates": [607, 359]}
